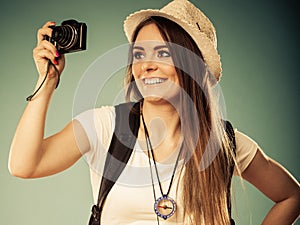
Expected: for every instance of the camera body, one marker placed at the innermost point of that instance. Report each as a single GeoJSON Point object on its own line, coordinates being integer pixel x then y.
{"type": "Point", "coordinates": [69, 37]}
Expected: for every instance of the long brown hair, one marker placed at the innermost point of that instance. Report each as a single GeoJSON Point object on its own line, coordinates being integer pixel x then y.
{"type": "Point", "coordinates": [207, 172]}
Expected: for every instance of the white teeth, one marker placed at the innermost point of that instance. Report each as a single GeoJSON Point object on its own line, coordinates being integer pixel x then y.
{"type": "Point", "coordinates": [153, 80]}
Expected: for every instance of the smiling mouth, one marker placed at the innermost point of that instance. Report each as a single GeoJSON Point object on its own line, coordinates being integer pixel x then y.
{"type": "Point", "coordinates": [152, 81]}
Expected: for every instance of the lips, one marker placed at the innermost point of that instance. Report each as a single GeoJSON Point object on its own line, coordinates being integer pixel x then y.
{"type": "Point", "coordinates": [154, 80]}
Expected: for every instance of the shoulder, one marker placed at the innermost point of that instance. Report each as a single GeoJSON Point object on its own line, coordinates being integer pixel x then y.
{"type": "Point", "coordinates": [246, 149]}
{"type": "Point", "coordinates": [97, 122]}
{"type": "Point", "coordinates": [104, 113]}
{"type": "Point", "coordinates": [100, 111]}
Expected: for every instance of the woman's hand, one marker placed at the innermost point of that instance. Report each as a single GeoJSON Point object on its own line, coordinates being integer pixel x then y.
{"type": "Point", "coordinates": [45, 51]}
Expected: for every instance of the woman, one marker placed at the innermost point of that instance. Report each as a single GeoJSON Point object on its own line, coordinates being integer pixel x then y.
{"type": "Point", "coordinates": [173, 68]}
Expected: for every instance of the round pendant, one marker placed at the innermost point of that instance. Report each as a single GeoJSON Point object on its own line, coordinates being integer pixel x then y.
{"type": "Point", "coordinates": [165, 207]}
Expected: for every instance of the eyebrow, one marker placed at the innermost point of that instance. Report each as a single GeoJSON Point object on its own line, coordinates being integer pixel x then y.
{"type": "Point", "coordinates": [155, 48]}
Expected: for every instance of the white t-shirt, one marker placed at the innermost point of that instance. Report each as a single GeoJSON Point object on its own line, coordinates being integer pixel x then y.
{"type": "Point", "coordinates": [131, 200]}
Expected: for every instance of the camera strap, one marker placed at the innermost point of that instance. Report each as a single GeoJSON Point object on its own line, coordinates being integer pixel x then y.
{"type": "Point", "coordinates": [46, 75]}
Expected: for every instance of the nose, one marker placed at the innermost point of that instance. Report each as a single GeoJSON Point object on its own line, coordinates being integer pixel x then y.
{"type": "Point", "coordinates": [148, 66]}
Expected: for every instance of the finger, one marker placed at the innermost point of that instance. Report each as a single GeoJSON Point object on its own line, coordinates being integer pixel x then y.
{"type": "Point", "coordinates": [48, 24]}
{"type": "Point", "coordinates": [60, 60]}
{"type": "Point", "coordinates": [45, 31]}
{"type": "Point", "coordinates": [49, 46]}
{"type": "Point", "coordinates": [44, 54]}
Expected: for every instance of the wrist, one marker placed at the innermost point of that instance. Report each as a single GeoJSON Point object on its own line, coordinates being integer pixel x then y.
{"type": "Point", "coordinates": [47, 83]}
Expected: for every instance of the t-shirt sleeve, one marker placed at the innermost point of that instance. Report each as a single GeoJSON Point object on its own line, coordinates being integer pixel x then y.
{"type": "Point", "coordinates": [245, 150]}
{"type": "Point", "coordinates": [98, 125]}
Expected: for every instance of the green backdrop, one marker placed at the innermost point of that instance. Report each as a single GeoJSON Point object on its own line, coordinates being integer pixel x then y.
{"type": "Point", "coordinates": [257, 43]}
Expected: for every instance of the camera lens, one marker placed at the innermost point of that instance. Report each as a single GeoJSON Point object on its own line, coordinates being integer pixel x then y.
{"type": "Point", "coordinates": [65, 36]}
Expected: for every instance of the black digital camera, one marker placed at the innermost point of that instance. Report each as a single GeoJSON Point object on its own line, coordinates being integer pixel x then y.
{"type": "Point", "coordinates": [69, 37]}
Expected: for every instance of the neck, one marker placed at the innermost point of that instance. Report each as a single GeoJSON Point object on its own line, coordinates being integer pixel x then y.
{"type": "Point", "coordinates": [161, 118]}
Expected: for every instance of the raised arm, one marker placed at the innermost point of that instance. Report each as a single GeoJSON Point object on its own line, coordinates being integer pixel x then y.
{"type": "Point", "coordinates": [276, 183]}
{"type": "Point", "coordinates": [31, 155]}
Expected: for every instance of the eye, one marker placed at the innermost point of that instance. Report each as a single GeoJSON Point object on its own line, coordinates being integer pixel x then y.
{"type": "Point", "coordinates": [163, 53]}
{"type": "Point", "coordinates": [138, 55]}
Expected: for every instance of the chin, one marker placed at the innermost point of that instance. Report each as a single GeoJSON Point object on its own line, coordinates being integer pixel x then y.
{"type": "Point", "coordinates": [163, 99]}
{"type": "Point", "coordinates": [160, 93]}
{"type": "Point", "coordinates": [154, 99]}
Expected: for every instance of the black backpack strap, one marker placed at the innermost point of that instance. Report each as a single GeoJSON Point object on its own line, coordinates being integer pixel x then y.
{"type": "Point", "coordinates": [124, 138]}
{"type": "Point", "coordinates": [230, 133]}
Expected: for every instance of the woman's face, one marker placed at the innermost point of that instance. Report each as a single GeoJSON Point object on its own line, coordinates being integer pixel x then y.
{"type": "Point", "coordinates": [153, 68]}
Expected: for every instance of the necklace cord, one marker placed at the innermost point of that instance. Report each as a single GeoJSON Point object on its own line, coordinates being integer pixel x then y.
{"type": "Point", "coordinates": [154, 161]}
{"type": "Point", "coordinates": [148, 152]}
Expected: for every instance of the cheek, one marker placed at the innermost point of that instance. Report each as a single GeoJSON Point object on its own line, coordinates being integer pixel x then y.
{"type": "Point", "coordinates": [171, 72]}
{"type": "Point", "coordinates": [136, 70]}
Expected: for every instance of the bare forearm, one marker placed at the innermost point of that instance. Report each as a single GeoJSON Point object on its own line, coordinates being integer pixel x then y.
{"type": "Point", "coordinates": [284, 213]}
{"type": "Point", "coordinates": [279, 185]}
{"type": "Point", "coordinates": [26, 149]}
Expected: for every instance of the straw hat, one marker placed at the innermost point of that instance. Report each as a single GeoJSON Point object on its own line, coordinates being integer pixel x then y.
{"type": "Point", "coordinates": [190, 18]}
